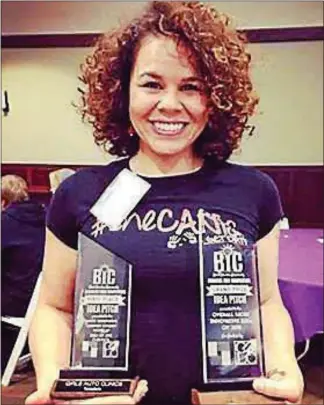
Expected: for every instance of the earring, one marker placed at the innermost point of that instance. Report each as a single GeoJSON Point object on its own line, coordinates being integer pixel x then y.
{"type": "Point", "coordinates": [131, 131]}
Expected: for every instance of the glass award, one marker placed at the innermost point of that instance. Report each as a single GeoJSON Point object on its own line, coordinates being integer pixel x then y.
{"type": "Point", "coordinates": [99, 362]}
{"type": "Point", "coordinates": [232, 347]}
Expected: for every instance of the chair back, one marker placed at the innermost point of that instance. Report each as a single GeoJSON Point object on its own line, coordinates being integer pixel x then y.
{"type": "Point", "coordinates": [57, 176]}
{"type": "Point", "coordinates": [23, 324]}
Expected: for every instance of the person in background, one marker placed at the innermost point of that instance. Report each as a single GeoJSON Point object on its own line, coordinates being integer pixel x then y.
{"type": "Point", "coordinates": [171, 93]}
{"type": "Point", "coordinates": [22, 247]}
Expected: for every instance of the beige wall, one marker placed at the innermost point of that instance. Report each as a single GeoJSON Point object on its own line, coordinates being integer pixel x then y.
{"type": "Point", "coordinates": [289, 121]}
{"type": "Point", "coordinates": [85, 16]}
{"type": "Point", "coordinates": [43, 127]}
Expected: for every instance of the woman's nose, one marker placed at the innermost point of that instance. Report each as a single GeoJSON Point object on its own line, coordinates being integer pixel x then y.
{"type": "Point", "coordinates": [169, 101]}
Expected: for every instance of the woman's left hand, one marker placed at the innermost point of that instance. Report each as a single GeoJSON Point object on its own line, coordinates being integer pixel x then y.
{"type": "Point", "coordinates": [280, 384]}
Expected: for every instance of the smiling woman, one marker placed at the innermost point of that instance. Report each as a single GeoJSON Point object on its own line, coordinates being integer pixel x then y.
{"type": "Point", "coordinates": [171, 92]}
{"type": "Point", "coordinates": [167, 105]}
{"type": "Point", "coordinates": [212, 53]}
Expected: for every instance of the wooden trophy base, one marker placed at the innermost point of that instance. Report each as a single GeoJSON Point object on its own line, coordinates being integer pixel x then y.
{"type": "Point", "coordinates": [67, 389]}
{"type": "Point", "coordinates": [231, 397]}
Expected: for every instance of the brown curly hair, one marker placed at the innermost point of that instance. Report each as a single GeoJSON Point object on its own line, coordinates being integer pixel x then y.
{"type": "Point", "coordinates": [221, 56]}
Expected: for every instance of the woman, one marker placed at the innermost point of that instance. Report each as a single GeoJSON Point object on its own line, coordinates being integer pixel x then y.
{"type": "Point", "coordinates": [22, 245]}
{"type": "Point", "coordinates": [172, 93]}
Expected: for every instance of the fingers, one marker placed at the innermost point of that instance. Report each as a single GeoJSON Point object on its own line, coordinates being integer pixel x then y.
{"type": "Point", "coordinates": [279, 388]}
{"type": "Point", "coordinates": [140, 391]}
{"type": "Point", "coordinates": [44, 386]}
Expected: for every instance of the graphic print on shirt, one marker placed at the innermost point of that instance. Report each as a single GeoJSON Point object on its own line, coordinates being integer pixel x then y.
{"type": "Point", "coordinates": [182, 229]}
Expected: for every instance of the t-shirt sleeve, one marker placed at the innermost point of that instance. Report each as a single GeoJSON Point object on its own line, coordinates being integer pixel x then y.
{"type": "Point", "coordinates": [270, 209]}
{"type": "Point", "coordinates": [61, 218]}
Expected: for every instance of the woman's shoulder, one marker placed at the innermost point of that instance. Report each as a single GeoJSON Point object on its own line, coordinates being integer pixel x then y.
{"type": "Point", "coordinates": [247, 172]}
{"type": "Point", "coordinates": [87, 183]}
{"type": "Point", "coordinates": [101, 171]}
{"type": "Point", "coordinates": [92, 176]}
{"type": "Point", "coordinates": [74, 197]}
{"type": "Point", "coordinates": [245, 178]}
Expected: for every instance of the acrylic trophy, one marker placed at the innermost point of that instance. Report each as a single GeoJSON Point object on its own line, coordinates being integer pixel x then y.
{"type": "Point", "coordinates": [231, 328]}
{"type": "Point", "coordinates": [99, 364]}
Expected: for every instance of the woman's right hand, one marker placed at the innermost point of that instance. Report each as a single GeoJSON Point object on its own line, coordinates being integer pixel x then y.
{"type": "Point", "coordinates": [42, 396]}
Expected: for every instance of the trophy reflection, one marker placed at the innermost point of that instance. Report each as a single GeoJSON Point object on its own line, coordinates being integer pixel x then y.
{"type": "Point", "coordinates": [101, 327]}
{"type": "Point", "coordinates": [231, 328]}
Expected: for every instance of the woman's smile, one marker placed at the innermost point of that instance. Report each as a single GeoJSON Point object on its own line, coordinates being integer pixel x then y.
{"type": "Point", "coordinates": [168, 128]}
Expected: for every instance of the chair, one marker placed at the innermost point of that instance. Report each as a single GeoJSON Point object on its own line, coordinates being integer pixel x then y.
{"type": "Point", "coordinates": [284, 224]}
{"type": "Point", "coordinates": [57, 176]}
{"type": "Point", "coordinates": [16, 359]}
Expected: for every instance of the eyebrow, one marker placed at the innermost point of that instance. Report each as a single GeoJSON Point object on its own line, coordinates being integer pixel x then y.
{"type": "Point", "coordinates": [159, 77]}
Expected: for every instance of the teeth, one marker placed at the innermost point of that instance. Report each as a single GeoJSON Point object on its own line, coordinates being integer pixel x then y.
{"type": "Point", "coordinates": [168, 127]}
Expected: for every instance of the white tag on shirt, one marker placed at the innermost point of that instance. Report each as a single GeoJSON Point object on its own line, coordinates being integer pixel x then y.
{"type": "Point", "coordinates": [120, 198]}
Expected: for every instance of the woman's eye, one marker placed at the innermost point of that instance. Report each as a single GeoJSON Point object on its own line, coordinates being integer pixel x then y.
{"type": "Point", "coordinates": [190, 87]}
{"type": "Point", "coordinates": [151, 85]}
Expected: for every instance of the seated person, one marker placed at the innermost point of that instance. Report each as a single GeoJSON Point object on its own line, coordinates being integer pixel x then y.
{"type": "Point", "coordinates": [22, 242]}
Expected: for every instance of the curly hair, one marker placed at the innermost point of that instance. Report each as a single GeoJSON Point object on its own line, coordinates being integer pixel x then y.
{"type": "Point", "coordinates": [220, 54]}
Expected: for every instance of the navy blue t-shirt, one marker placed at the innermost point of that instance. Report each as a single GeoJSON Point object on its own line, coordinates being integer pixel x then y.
{"type": "Point", "coordinates": [159, 238]}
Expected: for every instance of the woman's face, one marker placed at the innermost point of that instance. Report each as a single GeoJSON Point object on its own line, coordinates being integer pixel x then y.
{"type": "Point", "coordinates": [168, 103]}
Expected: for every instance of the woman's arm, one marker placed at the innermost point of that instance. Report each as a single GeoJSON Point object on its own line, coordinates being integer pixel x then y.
{"type": "Point", "coordinates": [277, 328]}
{"type": "Point", "coordinates": [50, 332]}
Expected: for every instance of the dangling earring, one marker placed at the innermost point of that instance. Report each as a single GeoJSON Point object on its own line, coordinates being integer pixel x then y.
{"type": "Point", "coordinates": [131, 131]}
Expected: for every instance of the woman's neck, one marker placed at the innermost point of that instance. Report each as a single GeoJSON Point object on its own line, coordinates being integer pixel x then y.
{"type": "Point", "coordinates": [167, 165]}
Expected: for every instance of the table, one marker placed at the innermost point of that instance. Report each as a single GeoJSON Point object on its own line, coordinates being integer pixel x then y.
{"type": "Point", "coordinates": [301, 279]}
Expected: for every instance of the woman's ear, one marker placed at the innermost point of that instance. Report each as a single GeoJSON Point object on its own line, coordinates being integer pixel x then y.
{"type": "Point", "coordinates": [3, 204]}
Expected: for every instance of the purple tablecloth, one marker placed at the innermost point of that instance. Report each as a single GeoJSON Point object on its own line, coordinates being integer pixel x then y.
{"type": "Point", "coordinates": [301, 279]}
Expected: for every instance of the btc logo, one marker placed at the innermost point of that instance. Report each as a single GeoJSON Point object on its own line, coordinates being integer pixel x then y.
{"type": "Point", "coordinates": [229, 263]}
{"type": "Point", "coordinates": [104, 275]}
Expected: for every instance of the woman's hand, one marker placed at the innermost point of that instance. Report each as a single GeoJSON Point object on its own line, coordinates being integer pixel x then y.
{"type": "Point", "coordinates": [42, 397]}
{"type": "Point", "coordinates": [44, 386]}
{"type": "Point", "coordinates": [280, 384]}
